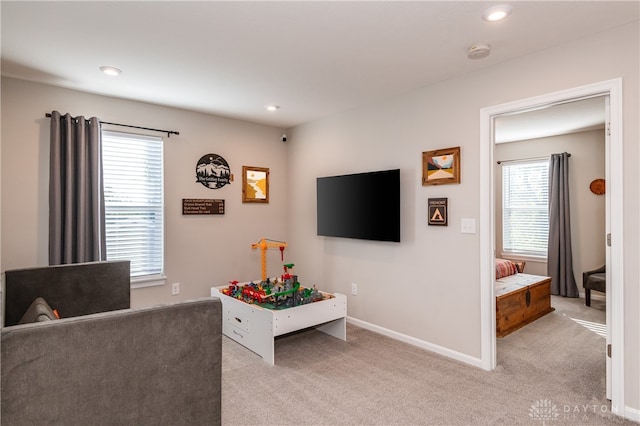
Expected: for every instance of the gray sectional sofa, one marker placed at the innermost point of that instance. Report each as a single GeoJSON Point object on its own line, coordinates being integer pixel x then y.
{"type": "Point", "coordinates": [153, 366]}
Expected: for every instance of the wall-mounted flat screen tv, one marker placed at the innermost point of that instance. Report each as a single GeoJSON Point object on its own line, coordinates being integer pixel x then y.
{"type": "Point", "coordinates": [362, 205]}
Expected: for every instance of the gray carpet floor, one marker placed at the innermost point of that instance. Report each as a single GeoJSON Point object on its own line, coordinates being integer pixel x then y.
{"type": "Point", "coordinates": [549, 372]}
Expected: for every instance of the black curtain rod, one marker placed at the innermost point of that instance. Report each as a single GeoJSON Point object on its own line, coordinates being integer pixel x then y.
{"type": "Point", "coordinates": [168, 132]}
{"type": "Point", "coordinates": [525, 159]}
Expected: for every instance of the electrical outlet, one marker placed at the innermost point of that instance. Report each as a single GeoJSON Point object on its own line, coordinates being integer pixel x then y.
{"type": "Point", "coordinates": [354, 289]}
{"type": "Point", "coordinates": [175, 289]}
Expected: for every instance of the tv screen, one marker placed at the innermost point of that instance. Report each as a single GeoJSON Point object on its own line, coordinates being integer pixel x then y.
{"type": "Point", "coordinates": [362, 205]}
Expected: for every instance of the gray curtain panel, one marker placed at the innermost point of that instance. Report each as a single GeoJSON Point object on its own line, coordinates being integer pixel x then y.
{"type": "Point", "coordinates": [76, 200]}
{"type": "Point", "coordinates": [559, 260]}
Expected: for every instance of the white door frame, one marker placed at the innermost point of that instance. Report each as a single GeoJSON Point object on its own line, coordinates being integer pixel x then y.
{"type": "Point", "coordinates": [614, 167]}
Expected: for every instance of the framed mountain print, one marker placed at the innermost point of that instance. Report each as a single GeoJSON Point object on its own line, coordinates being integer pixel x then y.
{"type": "Point", "coordinates": [441, 166]}
{"type": "Point", "coordinates": [255, 184]}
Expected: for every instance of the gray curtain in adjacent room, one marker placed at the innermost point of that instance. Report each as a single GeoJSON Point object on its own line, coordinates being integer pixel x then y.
{"type": "Point", "coordinates": [76, 214]}
{"type": "Point", "coordinates": [559, 261]}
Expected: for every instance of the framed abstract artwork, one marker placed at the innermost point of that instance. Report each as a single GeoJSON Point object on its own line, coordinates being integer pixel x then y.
{"type": "Point", "coordinates": [255, 184]}
{"type": "Point", "coordinates": [441, 166]}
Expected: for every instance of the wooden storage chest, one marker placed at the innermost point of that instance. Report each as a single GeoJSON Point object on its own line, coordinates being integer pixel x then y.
{"type": "Point", "coordinates": [520, 300]}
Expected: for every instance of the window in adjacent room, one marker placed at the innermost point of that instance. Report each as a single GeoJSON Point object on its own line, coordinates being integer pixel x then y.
{"type": "Point", "coordinates": [134, 203]}
{"type": "Point", "coordinates": [525, 208]}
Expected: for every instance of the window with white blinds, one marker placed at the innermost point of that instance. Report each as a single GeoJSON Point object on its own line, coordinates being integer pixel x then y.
{"type": "Point", "coordinates": [525, 208]}
{"type": "Point", "coordinates": [134, 202]}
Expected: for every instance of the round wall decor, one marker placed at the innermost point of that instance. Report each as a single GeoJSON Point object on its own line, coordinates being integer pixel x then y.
{"type": "Point", "coordinates": [213, 171]}
{"type": "Point", "coordinates": [597, 186]}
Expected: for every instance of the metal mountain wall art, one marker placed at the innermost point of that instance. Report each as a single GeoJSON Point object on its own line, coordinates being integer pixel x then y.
{"type": "Point", "coordinates": [213, 171]}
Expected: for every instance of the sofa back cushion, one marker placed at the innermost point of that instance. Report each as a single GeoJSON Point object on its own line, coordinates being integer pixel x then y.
{"type": "Point", "coordinates": [152, 366]}
{"type": "Point", "coordinates": [72, 290]}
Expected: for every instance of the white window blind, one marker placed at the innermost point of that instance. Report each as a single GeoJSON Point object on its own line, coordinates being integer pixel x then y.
{"type": "Point", "coordinates": [525, 208]}
{"type": "Point", "coordinates": [134, 202]}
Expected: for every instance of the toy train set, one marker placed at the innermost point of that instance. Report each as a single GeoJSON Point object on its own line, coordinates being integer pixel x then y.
{"type": "Point", "coordinates": [282, 293]}
{"type": "Point", "coordinates": [279, 294]}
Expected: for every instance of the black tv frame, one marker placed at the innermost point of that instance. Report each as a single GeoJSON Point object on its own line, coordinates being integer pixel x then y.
{"type": "Point", "coordinates": [362, 206]}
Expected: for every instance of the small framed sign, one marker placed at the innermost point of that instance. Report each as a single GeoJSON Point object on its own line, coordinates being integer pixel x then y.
{"type": "Point", "coordinates": [437, 211]}
{"type": "Point", "coordinates": [192, 206]}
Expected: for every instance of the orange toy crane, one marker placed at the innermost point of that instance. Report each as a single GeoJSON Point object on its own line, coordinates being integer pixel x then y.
{"type": "Point", "coordinates": [265, 244]}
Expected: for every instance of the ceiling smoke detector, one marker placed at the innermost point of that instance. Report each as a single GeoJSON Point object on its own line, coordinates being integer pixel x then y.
{"type": "Point", "coordinates": [478, 51]}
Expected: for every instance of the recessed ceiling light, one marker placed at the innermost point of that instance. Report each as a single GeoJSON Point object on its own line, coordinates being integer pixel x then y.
{"type": "Point", "coordinates": [110, 70]}
{"type": "Point", "coordinates": [497, 13]}
{"type": "Point", "coordinates": [272, 107]}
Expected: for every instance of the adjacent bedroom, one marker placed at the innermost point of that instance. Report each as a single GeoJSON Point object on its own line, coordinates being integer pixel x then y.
{"type": "Point", "coordinates": [550, 212]}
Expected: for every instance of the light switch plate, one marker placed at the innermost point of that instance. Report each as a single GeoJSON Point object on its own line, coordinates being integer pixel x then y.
{"type": "Point", "coordinates": [468, 226]}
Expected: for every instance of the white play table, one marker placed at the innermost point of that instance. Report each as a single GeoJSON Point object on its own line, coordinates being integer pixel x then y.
{"type": "Point", "coordinates": [256, 328]}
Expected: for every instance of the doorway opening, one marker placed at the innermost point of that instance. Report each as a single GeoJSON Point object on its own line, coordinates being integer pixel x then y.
{"type": "Point", "coordinates": [611, 89]}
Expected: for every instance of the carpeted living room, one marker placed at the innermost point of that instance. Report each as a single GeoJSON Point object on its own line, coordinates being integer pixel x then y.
{"type": "Point", "coordinates": [319, 212]}
{"type": "Point", "coordinates": [372, 379]}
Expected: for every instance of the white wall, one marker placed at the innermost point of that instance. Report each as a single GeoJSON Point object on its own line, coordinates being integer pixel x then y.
{"type": "Point", "coordinates": [427, 286]}
{"type": "Point", "coordinates": [201, 251]}
{"type": "Point", "coordinates": [587, 163]}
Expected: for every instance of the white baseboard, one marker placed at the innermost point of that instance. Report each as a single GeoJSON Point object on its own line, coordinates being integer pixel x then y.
{"type": "Point", "coordinates": [632, 414]}
{"type": "Point", "coordinates": [458, 356]}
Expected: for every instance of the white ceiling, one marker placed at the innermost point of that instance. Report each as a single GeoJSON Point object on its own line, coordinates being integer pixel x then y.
{"type": "Point", "coordinates": [313, 59]}
{"type": "Point", "coordinates": [570, 117]}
